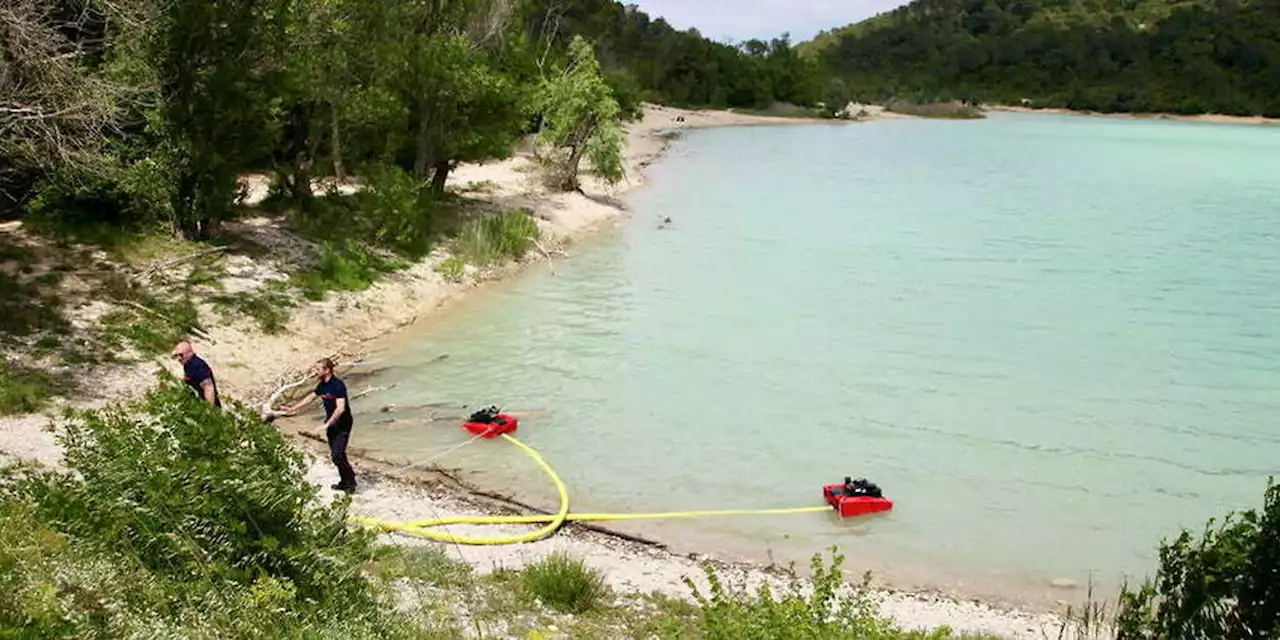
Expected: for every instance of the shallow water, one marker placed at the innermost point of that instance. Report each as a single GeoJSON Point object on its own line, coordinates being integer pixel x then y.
{"type": "Point", "coordinates": [1053, 340]}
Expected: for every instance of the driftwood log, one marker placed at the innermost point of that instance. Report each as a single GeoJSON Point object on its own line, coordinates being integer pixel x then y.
{"type": "Point", "coordinates": [269, 411]}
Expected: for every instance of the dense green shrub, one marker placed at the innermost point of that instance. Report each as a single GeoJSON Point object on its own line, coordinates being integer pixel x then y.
{"type": "Point", "coordinates": [1223, 584]}
{"type": "Point", "coordinates": [190, 494]}
{"type": "Point", "coordinates": [395, 211]}
{"type": "Point", "coordinates": [826, 610]}
{"type": "Point", "coordinates": [343, 267]}
{"type": "Point", "coordinates": [402, 207]}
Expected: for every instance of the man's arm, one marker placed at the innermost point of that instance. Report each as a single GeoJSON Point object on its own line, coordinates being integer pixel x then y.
{"type": "Point", "coordinates": [301, 404]}
{"type": "Point", "coordinates": [210, 394]}
{"type": "Point", "coordinates": [340, 405]}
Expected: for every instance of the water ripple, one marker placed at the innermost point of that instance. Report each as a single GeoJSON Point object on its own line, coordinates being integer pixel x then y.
{"type": "Point", "coordinates": [1049, 363]}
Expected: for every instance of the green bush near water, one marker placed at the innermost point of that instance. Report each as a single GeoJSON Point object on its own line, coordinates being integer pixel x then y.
{"type": "Point", "coordinates": [343, 267]}
{"type": "Point", "coordinates": [1224, 583]}
{"type": "Point", "coordinates": [489, 240]}
{"type": "Point", "coordinates": [823, 608]}
{"type": "Point", "coordinates": [403, 214]}
{"type": "Point", "coordinates": [452, 269]}
{"type": "Point", "coordinates": [364, 235]}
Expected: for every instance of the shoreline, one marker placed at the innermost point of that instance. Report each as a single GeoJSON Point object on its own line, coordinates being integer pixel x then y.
{"type": "Point", "coordinates": [1205, 118]}
{"type": "Point", "coordinates": [250, 364]}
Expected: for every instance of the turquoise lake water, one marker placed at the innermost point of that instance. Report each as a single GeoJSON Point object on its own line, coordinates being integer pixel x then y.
{"type": "Point", "coordinates": [1052, 340]}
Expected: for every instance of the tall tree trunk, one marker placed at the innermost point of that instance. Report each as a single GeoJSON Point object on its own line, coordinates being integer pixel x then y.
{"type": "Point", "coordinates": [301, 184]}
{"type": "Point", "coordinates": [440, 177]}
{"type": "Point", "coordinates": [571, 169]}
{"type": "Point", "coordinates": [184, 206]}
{"type": "Point", "coordinates": [335, 149]}
{"type": "Point", "coordinates": [585, 131]}
{"type": "Point", "coordinates": [422, 159]}
{"type": "Point", "coordinates": [301, 145]}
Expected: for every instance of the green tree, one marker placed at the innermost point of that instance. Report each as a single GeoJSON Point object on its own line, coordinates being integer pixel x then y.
{"type": "Point", "coordinates": [467, 109]}
{"type": "Point", "coordinates": [581, 120]}
{"type": "Point", "coordinates": [314, 85]}
{"type": "Point", "coordinates": [219, 70]}
{"type": "Point", "coordinates": [1222, 584]}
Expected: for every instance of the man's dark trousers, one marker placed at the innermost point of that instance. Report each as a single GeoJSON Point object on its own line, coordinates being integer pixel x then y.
{"type": "Point", "coordinates": [338, 435]}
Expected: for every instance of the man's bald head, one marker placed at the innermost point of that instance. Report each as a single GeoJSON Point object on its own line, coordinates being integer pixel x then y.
{"type": "Point", "coordinates": [182, 351]}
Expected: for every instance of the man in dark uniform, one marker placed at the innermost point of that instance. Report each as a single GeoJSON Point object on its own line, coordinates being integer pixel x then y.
{"type": "Point", "coordinates": [338, 420]}
{"type": "Point", "coordinates": [197, 374]}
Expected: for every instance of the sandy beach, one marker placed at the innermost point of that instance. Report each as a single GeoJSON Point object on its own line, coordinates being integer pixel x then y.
{"type": "Point", "coordinates": [250, 365]}
{"type": "Point", "coordinates": [1211, 118]}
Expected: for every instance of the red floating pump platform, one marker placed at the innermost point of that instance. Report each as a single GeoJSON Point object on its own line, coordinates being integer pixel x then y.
{"type": "Point", "coordinates": [490, 423]}
{"type": "Point", "coordinates": [856, 498]}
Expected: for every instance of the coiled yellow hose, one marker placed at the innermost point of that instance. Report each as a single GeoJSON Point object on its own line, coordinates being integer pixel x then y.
{"type": "Point", "coordinates": [424, 528]}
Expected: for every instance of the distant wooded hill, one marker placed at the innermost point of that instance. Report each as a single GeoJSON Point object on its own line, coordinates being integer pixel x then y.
{"type": "Point", "coordinates": [1193, 56]}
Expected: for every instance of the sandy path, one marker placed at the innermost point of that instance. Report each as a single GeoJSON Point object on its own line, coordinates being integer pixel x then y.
{"type": "Point", "coordinates": [249, 364]}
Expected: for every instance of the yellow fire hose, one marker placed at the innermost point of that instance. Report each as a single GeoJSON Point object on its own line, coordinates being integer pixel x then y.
{"type": "Point", "coordinates": [424, 528]}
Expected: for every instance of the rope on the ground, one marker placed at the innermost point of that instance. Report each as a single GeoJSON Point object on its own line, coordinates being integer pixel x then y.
{"type": "Point", "coordinates": [437, 456]}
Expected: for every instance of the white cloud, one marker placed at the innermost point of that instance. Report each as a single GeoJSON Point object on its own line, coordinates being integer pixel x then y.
{"type": "Point", "coordinates": [737, 20]}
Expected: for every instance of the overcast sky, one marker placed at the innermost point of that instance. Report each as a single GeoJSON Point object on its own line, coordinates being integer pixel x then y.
{"type": "Point", "coordinates": [737, 20]}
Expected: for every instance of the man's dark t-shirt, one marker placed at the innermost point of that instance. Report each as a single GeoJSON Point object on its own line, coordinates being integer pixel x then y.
{"type": "Point", "coordinates": [329, 393]}
{"type": "Point", "coordinates": [196, 371]}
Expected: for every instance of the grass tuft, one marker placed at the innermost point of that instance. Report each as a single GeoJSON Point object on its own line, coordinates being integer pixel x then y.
{"type": "Point", "coordinates": [269, 306]}
{"type": "Point", "coordinates": [565, 584]}
{"type": "Point", "coordinates": [425, 563]}
{"type": "Point", "coordinates": [343, 267]}
{"type": "Point", "coordinates": [24, 390]}
{"type": "Point", "coordinates": [492, 239]}
{"type": "Point", "coordinates": [452, 269]}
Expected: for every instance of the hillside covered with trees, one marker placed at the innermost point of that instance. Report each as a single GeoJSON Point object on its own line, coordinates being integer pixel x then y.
{"type": "Point", "coordinates": [1185, 56]}
{"type": "Point", "coordinates": [147, 110]}
{"type": "Point", "coordinates": [681, 68]}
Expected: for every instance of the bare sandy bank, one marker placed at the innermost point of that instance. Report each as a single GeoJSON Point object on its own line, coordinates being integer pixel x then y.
{"type": "Point", "coordinates": [251, 364]}
{"type": "Point", "coordinates": [1206, 118]}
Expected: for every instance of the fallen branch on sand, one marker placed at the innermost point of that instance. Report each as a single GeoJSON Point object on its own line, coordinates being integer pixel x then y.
{"type": "Point", "coordinates": [548, 253]}
{"type": "Point", "coordinates": [177, 261]}
{"type": "Point", "coordinates": [371, 390]}
{"type": "Point", "coordinates": [197, 331]}
{"type": "Point", "coordinates": [269, 412]}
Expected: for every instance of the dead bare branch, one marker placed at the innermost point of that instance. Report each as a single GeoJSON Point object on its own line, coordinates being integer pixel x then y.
{"type": "Point", "coordinates": [55, 111]}
{"type": "Point", "coordinates": [183, 260]}
{"type": "Point", "coordinates": [547, 253]}
{"type": "Point", "coordinates": [197, 331]}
